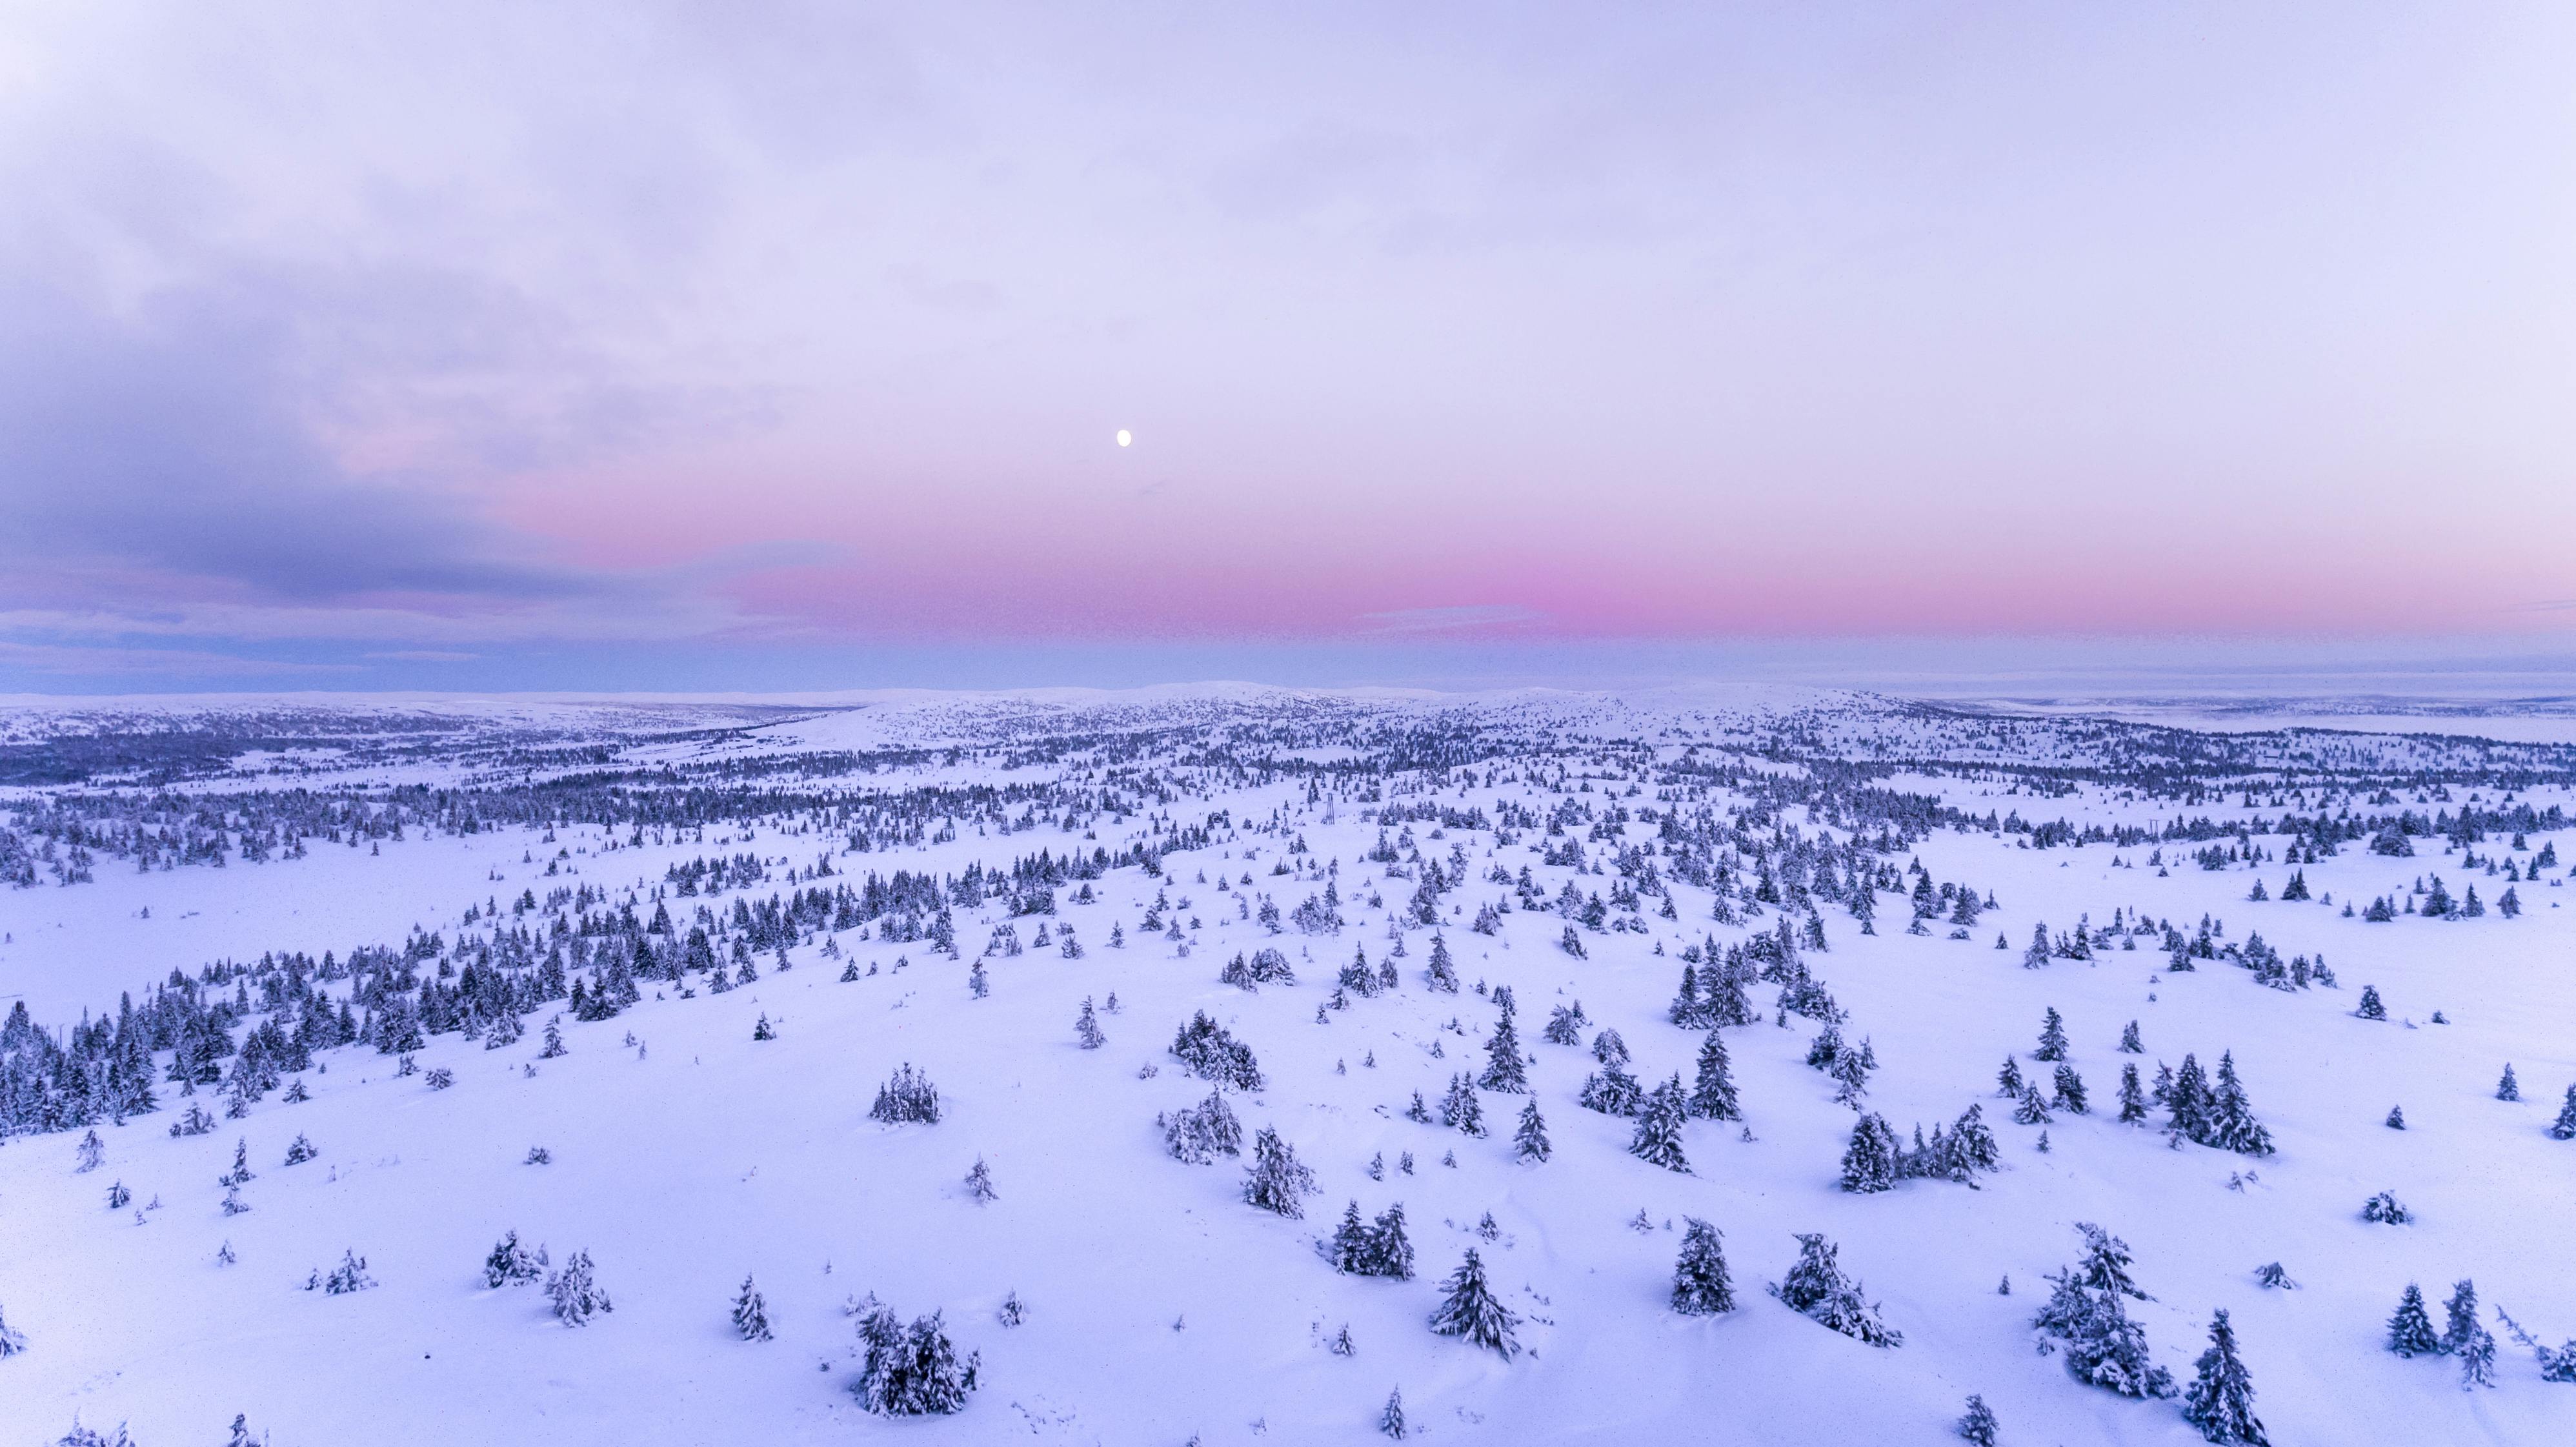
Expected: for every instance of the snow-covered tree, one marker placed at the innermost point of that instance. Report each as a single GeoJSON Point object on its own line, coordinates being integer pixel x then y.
{"type": "Point", "coordinates": [750, 1313]}
{"type": "Point", "coordinates": [2410, 1327]}
{"type": "Point", "coordinates": [1658, 1140]}
{"type": "Point", "coordinates": [1816, 1287]}
{"type": "Point", "coordinates": [1276, 1181]}
{"type": "Point", "coordinates": [575, 1291]}
{"type": "Point", "coordinates": [1700, 1283]}
{"type": "Point", "coordinates": [1529, 1141]}
{"type": "Point", "coordinates": [1469, 1309]}
{"type": "Point", "coordinates": [2220, 1400]}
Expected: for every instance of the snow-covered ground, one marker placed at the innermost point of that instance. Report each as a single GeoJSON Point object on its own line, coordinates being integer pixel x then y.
{"type": "Point", "coordinates": [1159, 1306]}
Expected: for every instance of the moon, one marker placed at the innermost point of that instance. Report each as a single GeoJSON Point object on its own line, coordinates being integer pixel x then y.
{"type": "Point", "coordinates": [1125, 437]}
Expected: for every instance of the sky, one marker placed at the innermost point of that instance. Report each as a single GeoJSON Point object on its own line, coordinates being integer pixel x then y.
{"type": "Point", "coordinates": [651, 346]}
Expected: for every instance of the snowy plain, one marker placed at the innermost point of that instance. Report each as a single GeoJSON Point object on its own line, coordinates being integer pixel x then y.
{"type": "Point", "coordinates": [1160, 1307]}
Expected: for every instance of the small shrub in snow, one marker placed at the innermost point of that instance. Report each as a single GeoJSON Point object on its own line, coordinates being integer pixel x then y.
{"type": "Point", "coordinates": [511, 1264]}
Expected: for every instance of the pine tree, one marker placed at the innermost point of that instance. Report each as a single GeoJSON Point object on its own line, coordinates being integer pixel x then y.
{"type": "Point", "coordinates": [1349, 1248]}
{"type": "Point", "coordinates": [2188, 1099]}
{"type": "Point", "coordinates": [1391, 1420]}
{"type": "Point", "coordinates": [511, 1264]}
{"type": "Point", "coordinates": [1658, 1141]}
{"type": "Point", "coordinates": [2508, 1088]}
{"type": "Point", "coordinates": [1869, 1162]}
{"type": "Point", "coordinates": [1713, 1093]}
{"type": "Point", "coordinates": [2370, 1008]}
{"type": "Point", "coordinates": [2129, 1042]}
{"type": "Point", "coordinates": [2070, 1091]}
{"type": "Point", "coordinates": [11, 1342]}
{"type": "Point", "coordinates": [2460, 1314]}
{"type": "Point", "coordinates": [1469, 1309]}
{"type": "Point", "coordinates": [1276, 1181]}
{"type": "Point", "coordinates": [2231, 1118]}
{"type": "Point", "coordinates": [2031, 1109]}
{"type": "Point", "coordinates": [1440, 974]}
{"type": "Point", "coordinates": [2410, 1327]}
{"type": "Point", "coordinates": [1529, 1143]}
{"type": "Point", "coordinates": [2052, 1037]}
{"type": "Point", "coordinates": [2008, 1081]}
{"type": "Point", "coordinates": [1390, 1250]}
{"type": "Point", "coordinates": [979, 1183]}
{"type": "Point", "coordinates": [1504, 1070]}
{"type": "Point", "coordinates": [2133, 1097]}
{"type": "Point", "coordinates": [1460, 1109]}
{"type": "Point", "coordinates": [750, 1313]}
{"type": "Point", "coordinates": [575, 1291]}
{"type": "Point", "coordinates": [2564, 1128]}
{"type": "Point", "coordinates": [1700, 1284]}
{"type": "Point", "coordinates": [2220, 1400]}
{"type": "Point", "coordinates": [1816, 1287]}
{"type": "Point", "coordinates": [1978, 1426]}
{"type": "Point", "coordinates": [2477, 1349]}
{"type": "Point", "coordinates": [1086, 1029]}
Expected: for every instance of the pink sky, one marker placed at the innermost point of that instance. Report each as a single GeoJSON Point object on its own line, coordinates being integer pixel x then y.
{"type": "Point", "coordinates": [377, 339]}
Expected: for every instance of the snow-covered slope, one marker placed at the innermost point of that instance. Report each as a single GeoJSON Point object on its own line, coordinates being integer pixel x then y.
{"type": "Point", "coordinates": [1160, 1307]}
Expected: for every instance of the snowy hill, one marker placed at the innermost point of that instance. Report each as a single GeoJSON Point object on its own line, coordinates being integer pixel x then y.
{"type": "Point", "coordinates": [943, 882]}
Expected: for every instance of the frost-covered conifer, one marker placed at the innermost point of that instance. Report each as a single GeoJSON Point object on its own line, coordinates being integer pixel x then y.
{"type": "Point", "coordinates": [2008, 1081]}
{"type": "Point", "coordinates": [1469, 1309]}
{"type": "Point", "coordinates": [2133, 1097]}
{"type": "Point", "coordinates": [750, 1313]}
{"type": "Point", "coordinates": [2370, 1008]}
{"type": "Point", "coordinates": [1390, 1420]}
{"type": "Point", "coordinates": [1700, 1283]}
{"type": "Point", "coordinates": [2459, 1314]}
{"type": "Point", "coordinates": [1978, 1424]}
{"type": "Point", "coordinates": [1611, 1091]}
{"type": "Point", "coordinates": [2129, 1042]}
{"type": "Point", "coordinates": [2410, 1327]}
{"type": "Point", "coordinates": [2070, 1091]}
{"type": "Point", "coordinates": [1869, 1162]}
{"type": "Point", "coordinates": [11, 1342]}
{"type": "Point", "coordinates": [1713, 1092]}
{"type": "Point", "coordinates": [979, 1183]}
{"type": "Point", "coordinates": [1275, 1181]}
{"type": "Point", "coordinates": [1199, 1134]}
{"type": "Point", "coordinates": [575, 1291]}
{"type": "Point", "coordinates": [350, 1275]}
{"type": "Point", "coordinates": [1529, 1142]}
{"type": "Point", "coordinates": [1086, 1028]}
{"type": "Point", "coordinates": [2564, 1128]}
{"type": "Point", "coordinates": [1658, 1141]}
{"type": "Point", "coordinates": [911, 1373]}
{"type": "Point", "coordinates": [2508, 1088]}
{"type": "Point", "coordinates": [2220, 1400]}
{"type": "Point", "coordinates": [2232, 1126]}
{"type": "Point", "coordinates": [1816, 1287]}
{"type": "Point", "coordinates": [2031, 1109]}
{"type": "Point", "coordinates": [906, 1097]}
{"type": "Point", "coordinates": [1388, 1251]}
{"type": "Point", "coordinates": [511, 1264]}
{"type": "Point", "coordinates": [2052, 1037]}
{"type": "Point", "coordinates": [1440, 974]}
{"type": "Point", "coordinates": [1564, 1025]}
{"type": "Point", "coordinates": [1460, 1110]}
{"type": "Point", "coordinates": [1504, 1069]}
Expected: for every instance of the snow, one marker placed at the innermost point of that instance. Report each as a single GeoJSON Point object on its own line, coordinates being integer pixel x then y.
{"type": "Point", "coordinates": [1159, 1305]}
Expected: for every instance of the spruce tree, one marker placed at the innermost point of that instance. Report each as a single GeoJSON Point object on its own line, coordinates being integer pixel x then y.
{"type": "Point", "coordinates": [11, 1342]}
{"type": "Point", "coordinates": [1469, 1309]}
{"type": "Point", "coordinates": [2564, 1128]}
{"type": "Point", "coordinates": [1276, 1181]}
{"type": "Point", "coordinates": [2129, 1042]}
{"type": "Point", "coordinates": [2508, 1088]}
{"type": "Point", "coordinates": [2052, 1037]}
{"type": "Point", "coordinates": [1441, 975]}
{"type": "Point", "coordinates": [2460, 1314]}
{"type": "Point", "coordinates": [750, 1313]}
{"type": "Point", "coordinates": [1658, 1141]}
{"type": "Point", "coordinates": [1391, 1420]}
{"type": "Point", "coordinates": [2070, 1091]}
{"type": "Point", "coordinates": [2231, 1117]}
{"type": "Point", "coordinates": [1460, 1109]}
{"type": "Point", "coordinates": [1978, 1426]}
{"type": "Point", "coordinates": [1816, 1287]}
{"type": "Point", "coordinates": [1086, 1028]}
{"type": "Point", "coordinates": [1713, 1093]}
{"type": "Point", "coordinates": [1700, 1284]}
{"type": "Point", "coordinates": [2133, 1097]}
{"type": "Point", "coordinates": [2370, 1008]}
{"type": "Point", "coordinates": [1390, 1250]}
{"type": "Point", "coordinates": [1869, 1162]}
{"type": "Point", "coordinates": [2410, 1327]}
{"type": "Point", "coordinates": [2220, 1400]}
{"type": "Point", "coordinates": [1349, 1248]}
{"type": "Point", "coordinates": [2008, 1081]}
{"type": "Point", "coordinates": [1529, 1143]}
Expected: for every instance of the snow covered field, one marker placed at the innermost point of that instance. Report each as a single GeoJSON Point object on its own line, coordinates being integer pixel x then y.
{"type": "Point", "coordinates": [1180, 829]}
